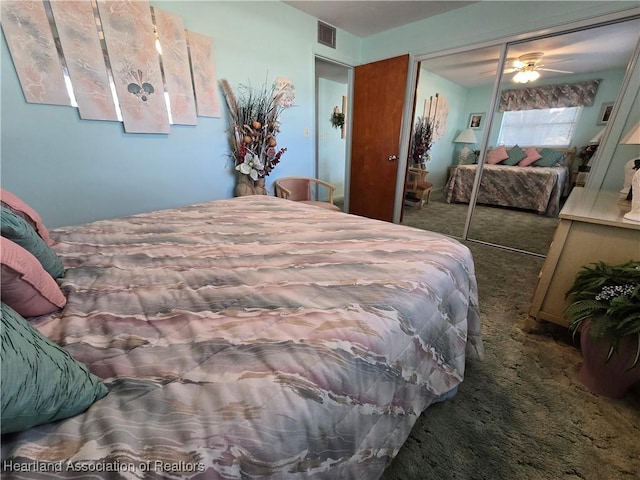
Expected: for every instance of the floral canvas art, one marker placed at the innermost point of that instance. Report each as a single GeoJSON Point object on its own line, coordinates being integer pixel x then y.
{"type": "Point", "coordinates": [30, 41]}
{"type": "Point", "coordinates": [76, 25]}
{"type": "Point", "coordinates": [175, 63]}
{"type": "Point", "coordinates": [128, 33]}
{"type": "Point", "coordinates": [204, 75]}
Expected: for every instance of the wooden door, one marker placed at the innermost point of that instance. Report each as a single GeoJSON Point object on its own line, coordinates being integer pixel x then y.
{"type": "Point", "coordinates": [378, 104]}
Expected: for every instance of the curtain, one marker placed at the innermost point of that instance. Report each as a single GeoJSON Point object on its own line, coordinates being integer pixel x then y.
{"type": "Point", "coordinates": [549, 96]}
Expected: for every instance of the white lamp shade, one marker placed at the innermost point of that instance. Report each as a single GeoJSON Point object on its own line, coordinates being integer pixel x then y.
{"type": "Point", "coordinates": [466, 136]}
{"type": "Point", "coordinates": [598, 137]}
{"type": "Point", "coordinates": [633, 137]}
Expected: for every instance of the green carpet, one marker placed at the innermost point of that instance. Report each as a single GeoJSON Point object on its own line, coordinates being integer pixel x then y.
{"type": "Point", "coordinates": [520, 413]}
{"type": "Point", "coordinates": [517, 229]}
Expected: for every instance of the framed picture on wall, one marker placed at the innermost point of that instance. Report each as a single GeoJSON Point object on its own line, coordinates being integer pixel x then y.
{"type": "Point", "coordinates": [475, 121]}
{"type": "Point", "coordinates": [605, 113]}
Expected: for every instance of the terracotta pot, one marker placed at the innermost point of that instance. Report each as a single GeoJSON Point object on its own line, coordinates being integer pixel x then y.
{"type": "Point", "coordinates": [612, 378]}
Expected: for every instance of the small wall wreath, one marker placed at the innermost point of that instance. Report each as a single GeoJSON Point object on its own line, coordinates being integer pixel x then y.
{"type": "Point", "coordinates": [337, 118]}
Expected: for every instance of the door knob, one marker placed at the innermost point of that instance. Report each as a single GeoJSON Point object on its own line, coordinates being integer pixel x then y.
{"type": "Point", "coordinates": [393, 158]}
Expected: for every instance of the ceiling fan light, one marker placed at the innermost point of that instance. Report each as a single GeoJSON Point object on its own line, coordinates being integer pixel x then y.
{"type": "Point", "coordinates": [526, 76]}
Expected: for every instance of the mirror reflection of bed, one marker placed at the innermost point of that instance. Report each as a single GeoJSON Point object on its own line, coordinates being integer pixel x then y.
{"type": "Point", "coordinates": [511, 209]}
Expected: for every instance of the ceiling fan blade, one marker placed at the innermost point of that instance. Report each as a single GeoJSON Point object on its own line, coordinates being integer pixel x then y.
{"type": "Point", "coordinates": [553, 70]}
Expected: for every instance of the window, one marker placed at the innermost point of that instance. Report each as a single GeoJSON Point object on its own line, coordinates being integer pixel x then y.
{"type": "Point", "coordinates": [544, 127]}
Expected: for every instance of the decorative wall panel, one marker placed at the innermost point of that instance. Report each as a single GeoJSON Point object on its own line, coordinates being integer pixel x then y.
{"type": "Point", "coordinates": [175, 64]}
{"type": "Point", "coordinates": [76, 25]}
{"type": "Point", "coordinates": [114, 68]}
{"type": "Point", "coordinates": [203, 70]}
{"type": "Point", "coordinates": [30, 41]}
{"type": "Point", "coordinates": [129, 35]}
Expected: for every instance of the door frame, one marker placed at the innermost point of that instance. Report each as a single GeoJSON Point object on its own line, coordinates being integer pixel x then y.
{"type": "Point", "coordinates": [405, 136]}
{"type": "Point", "coordinates": [316, 129]}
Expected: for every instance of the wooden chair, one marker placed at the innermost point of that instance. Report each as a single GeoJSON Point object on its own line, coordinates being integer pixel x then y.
{"type": "Point", "coordinates": [298, 189]}
{"type": "Point", "coordinates": [416, 186]}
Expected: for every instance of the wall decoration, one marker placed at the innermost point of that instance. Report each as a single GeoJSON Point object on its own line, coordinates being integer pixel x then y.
{"type": "Point", "coordinates": [129, 35]}
{"type": "Point", "coordinates": [338, 118]}
{"type": "Point", "coordinates": [203, 70]}
{"type": "Point", "coordinates": [436, 110]}
{"type": "Point", "coordinates": [175, 64]}
{"type": "Point", "coordinates": [605, 113]}
{"type": "Point", "coordinates": [475, 121]}
{"type": "Point", "coordinates": [33, 50]}
{"type": "Point", "coordinates": [76, 26]}
{"type": "Point", "coordinates": [285, 90]}
{"type": "Point", "coordinates": [114, 68]}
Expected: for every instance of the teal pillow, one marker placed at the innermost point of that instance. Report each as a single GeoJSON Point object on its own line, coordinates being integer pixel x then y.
{"type": "Point", "coordinates": [18, 230]}
{"type": "Point", "coordinates": [515, 155]}
{"type": "Point", "coordinates": [41, 382]}
{"type": "Point", "coordinates": [549, 158]}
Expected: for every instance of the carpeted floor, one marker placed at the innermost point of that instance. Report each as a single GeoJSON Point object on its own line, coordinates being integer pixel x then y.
{"type": "Point", "coordinates": [520, 413]}
{"type": "Point", "coordinates": [517, 229]}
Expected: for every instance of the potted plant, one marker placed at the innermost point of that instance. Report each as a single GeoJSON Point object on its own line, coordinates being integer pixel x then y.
{"type": "Point", "coordinates": [605, 309]}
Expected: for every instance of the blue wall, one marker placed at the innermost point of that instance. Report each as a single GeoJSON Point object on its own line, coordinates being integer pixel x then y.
{"type": "Point", "coordinates": [442, 150]}
{"type": "Point", "coordinates": [72, 171]}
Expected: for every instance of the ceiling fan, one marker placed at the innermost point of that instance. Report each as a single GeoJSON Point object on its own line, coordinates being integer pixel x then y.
{"type": "Point", "coordinates": [528, 66]}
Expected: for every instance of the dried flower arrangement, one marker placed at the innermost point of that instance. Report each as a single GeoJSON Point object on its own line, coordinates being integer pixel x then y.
{"type": "Point", "coordinates": [254, 125]}
{"type": "Point", "coordinates": [337, 118]}
{"type": "Point", "coordinates": [421, 142]}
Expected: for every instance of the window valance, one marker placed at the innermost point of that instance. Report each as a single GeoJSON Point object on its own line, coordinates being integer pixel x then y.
{"type": "Point", "coordinates": [549, 96]}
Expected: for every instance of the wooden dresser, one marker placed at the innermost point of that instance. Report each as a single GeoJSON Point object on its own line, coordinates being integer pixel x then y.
{"type": "Point", "coordinates": [591, 228]}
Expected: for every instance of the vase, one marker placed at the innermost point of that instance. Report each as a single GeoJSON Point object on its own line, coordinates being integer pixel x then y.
{"type": "Point", "coordinates": [611, 378]}
{"type": "Point", "coordinates": [259, 187]}
{"type": "Point", "coordinates": [244, 186]}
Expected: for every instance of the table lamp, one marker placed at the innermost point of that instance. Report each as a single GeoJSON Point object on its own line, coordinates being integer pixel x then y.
{"type": "Point", "coordinates": [466, 136]}
{"type": "Point", "coordinates": [631, 187]}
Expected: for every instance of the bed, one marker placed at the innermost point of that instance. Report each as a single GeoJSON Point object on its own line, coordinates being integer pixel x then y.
{"type": "Point", "coordinates": [536, 188]}
{"type": "Point", "coordinates": [251, 337]}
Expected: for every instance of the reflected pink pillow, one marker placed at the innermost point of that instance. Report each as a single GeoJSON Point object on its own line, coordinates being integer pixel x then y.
{"type": "Point", "coordinates": [497, 155]}
{"type": "Point", "coordinates": [532, 156]}
{"type": "Point", "coordinates": [26, 285]}
{"type": "Point", "coordinates": [13, 202]}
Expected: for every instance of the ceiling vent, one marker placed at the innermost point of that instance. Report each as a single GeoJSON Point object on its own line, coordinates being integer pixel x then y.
{"type": "Point", "coordinates": [326, 34]}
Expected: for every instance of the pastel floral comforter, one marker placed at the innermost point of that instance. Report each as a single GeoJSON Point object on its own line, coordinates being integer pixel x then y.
{"type": "Point", "coordinates": [252, 338]}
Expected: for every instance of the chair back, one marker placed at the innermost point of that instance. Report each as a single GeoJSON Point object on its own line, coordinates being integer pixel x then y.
{"type": "Point", "coordinates": [299, 188]}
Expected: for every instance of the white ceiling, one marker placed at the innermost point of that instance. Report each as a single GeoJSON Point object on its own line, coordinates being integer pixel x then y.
{"type": "Point", "coordinates": [365, 18]}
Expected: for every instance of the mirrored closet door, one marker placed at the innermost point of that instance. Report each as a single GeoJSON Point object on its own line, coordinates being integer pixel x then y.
{"type": "Point", "coordinates": [556, 96]}
{"type": "Point", "coordinates": [446, 138]}
{"type": "Point", "coordinates": [490, 117]}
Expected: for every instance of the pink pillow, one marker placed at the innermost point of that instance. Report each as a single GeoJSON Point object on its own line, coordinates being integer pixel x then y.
{"type": "Point", "coordinates": [532, 156]}
{"type": "Point", "coordinates": [12, 201]}
{"type": "Point", "coordinates": [497, 155]}
{"type": "Point", "coordinates": [26, 286]}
